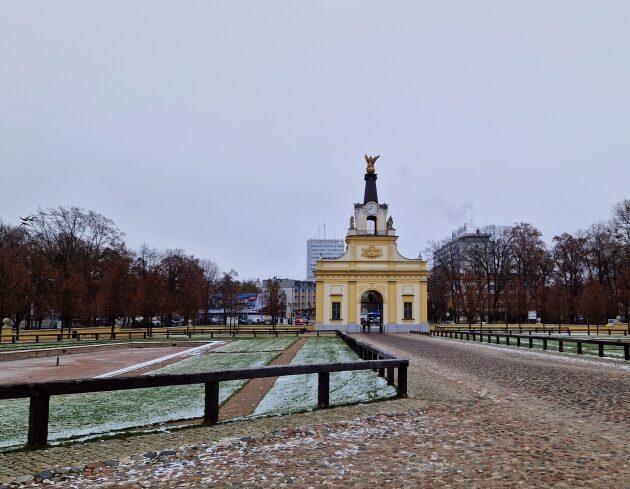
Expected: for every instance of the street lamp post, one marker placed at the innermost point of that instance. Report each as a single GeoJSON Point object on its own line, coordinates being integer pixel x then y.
{"type": "Point", "coordinates": [5, 322]}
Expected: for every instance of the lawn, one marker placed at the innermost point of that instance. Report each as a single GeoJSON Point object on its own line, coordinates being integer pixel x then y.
{"type": "Point", "coordinates": [257, 344]}
{"type": "Point", "coordinates": [299, 392]}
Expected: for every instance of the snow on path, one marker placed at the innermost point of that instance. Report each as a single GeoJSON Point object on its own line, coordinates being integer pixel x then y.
{"type": "Point", "coordinates": [137, 366]}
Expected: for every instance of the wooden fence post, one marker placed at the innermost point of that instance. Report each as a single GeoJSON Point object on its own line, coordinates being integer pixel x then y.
{"type": "Point", "coordinates": [38, 421]}
{"type": "Point", "coordinates": [402, 382]}
{"type": "Point", "coordinates": [390, 376]}
{"type": "Point", "coordinates": [211, 406]}
{"type": "Point", "coordinates": [323, 389]}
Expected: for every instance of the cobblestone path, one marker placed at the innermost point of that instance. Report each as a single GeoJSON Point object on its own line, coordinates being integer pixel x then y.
{"type": "Point", "coordinates": [478, 416]}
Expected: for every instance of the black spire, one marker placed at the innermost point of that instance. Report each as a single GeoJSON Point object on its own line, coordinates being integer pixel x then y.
{"type": "Point", "coordinates": [370, 188]}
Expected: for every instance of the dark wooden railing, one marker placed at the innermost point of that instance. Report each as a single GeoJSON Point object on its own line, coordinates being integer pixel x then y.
{"type": "Point", "coordinates": [369, 352]}
{"type": "Point", "coordinates": [40, 392]}
{"type": "Point", "coordinates": [78, 335]}
{"type": "Point", "coordinates": [489, 335]}
{"type": "Point", "coordinates": [595, 329]}
{"type": "Point", "coordinates": [240, 331]}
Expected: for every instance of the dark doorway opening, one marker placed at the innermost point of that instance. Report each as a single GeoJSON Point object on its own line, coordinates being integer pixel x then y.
{"type": "Point", "coordinates": [371, 311]}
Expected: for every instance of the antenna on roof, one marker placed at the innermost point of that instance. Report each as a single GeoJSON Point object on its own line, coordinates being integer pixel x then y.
{"type": "Point", "coordinates": [324, 230]}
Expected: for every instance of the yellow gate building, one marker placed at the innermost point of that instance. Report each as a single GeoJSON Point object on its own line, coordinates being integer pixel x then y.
{"type": "Point", "coordinates": [371, 287]}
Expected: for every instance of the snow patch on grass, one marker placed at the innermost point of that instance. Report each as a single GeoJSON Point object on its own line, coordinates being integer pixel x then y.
{"type": "Point", "coordinates": [299, 392]}
{"type": "Point", "coordinates": [257, 344]}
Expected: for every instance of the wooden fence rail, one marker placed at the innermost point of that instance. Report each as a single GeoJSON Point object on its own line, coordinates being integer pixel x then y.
{"type": "Point", "coordinates": [39, 392]}
{"type": "Point", "coordinates": [489, 335]}
{"type": "Point", "coordinates": [368, 352]}
{"type": "Point", "coordinates": [78, 335]}
{"type": "Point", "coordinates": [595, 329]}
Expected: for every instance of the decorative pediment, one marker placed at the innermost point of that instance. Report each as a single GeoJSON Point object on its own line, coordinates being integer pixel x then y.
{"type": "Point", "coordinates": [372, 252]}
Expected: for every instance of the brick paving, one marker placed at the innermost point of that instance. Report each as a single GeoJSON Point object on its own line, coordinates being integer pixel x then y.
{"type": "Point", "coordinates": [245, 401]}
{"type": "Point", "coordinates": [477, 416]}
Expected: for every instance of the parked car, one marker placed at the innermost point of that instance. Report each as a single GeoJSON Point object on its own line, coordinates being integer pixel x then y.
{"type": "Point", "coordinates": [300, 321]}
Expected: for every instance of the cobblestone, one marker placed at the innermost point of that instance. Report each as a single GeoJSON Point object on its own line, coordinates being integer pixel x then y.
{"type": "Point", "coordinates": [477, 416]}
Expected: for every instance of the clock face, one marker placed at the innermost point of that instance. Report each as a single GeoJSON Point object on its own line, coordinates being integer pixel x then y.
{"type": "Point", "coordinates": [371, 208]}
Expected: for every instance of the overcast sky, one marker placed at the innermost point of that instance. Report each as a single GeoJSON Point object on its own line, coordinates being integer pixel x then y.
{"type": "Point", "coordinates": [234, 130]}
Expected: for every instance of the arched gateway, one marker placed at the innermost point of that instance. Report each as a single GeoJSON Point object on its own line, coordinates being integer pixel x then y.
{"type": "Point", "coordinates": [371, 284]}
{"type": "Point", "coordinates": [371, 311]}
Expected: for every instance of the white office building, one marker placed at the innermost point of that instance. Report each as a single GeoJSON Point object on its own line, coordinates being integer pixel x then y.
{"type": "Point", "coordinates": [321, 248]}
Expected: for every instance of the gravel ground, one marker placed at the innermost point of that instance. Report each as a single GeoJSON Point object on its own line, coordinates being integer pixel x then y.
{"type": "Point", "coordinates": [478, 416]}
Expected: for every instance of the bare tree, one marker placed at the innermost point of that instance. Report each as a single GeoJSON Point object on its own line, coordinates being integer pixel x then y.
{"type": "Point", "coordinates": [74, 241]}
{"type": "Point", "coordinates": [274, 300]}
{"type": "Point", "coordinates": [492, 260]}
{"type": "Point", "coordinates": [528, 253]}
{"type": "Point", "coordinates": [150, 288]}
{"type": "Point", "coordinates": [116, 290]}
{"type": "Point", "coordinates": [229, 287]}
{"type": "Point", "coordinates": [447, 268]}
{"type": "Point", "coordinates": [621, 221]}
{"type": "Point", "coordinates": [620, 225]}
{"type": "Point", "coordinates": [439, 292]}
{"type": "Point", "coordinates": [211, 273]}
{"type": "Point", "coordinates": [17, 288]}
{"type": "Point", "coordinates": [569, 254]}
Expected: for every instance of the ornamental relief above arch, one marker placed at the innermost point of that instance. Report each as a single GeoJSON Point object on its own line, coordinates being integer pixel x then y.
{"type": "Point", "coordinates": [371, 252]}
